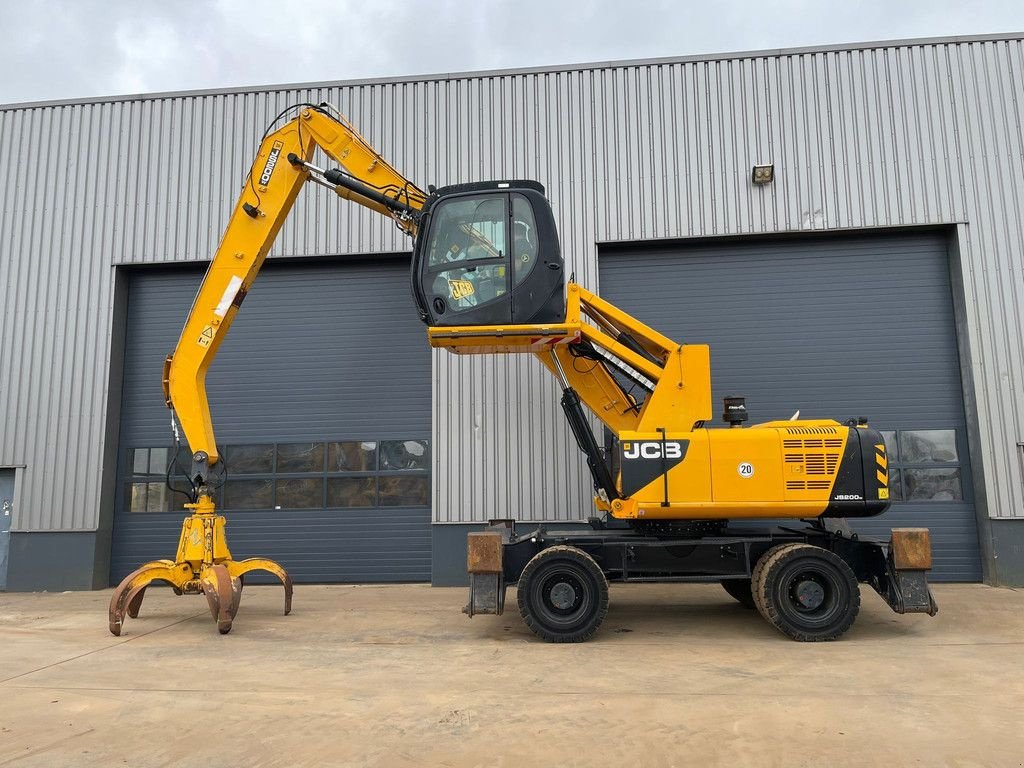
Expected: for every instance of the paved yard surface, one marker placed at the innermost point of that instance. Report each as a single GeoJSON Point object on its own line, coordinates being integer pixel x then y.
{"type": "Point", "coordinates": [395, 676]}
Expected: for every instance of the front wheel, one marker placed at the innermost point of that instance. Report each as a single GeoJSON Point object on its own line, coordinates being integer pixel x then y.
{"type": "Point", "coordinates": [563, 595]}
{"type": "Point", "coordinates": [806, 592]}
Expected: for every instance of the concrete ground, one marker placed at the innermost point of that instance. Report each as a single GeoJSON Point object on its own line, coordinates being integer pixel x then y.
{"type": "Point", "coordinates": [396, 676]}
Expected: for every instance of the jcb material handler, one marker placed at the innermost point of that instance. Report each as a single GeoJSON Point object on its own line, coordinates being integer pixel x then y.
{"type": "Point", "coordinates": [488, 278]}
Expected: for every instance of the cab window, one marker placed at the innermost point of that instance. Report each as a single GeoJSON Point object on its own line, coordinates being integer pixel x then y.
{"type": "Point", "coordinates": [524, 238]}
{"type": "Point", "coordinates": [468, 251]}
{"type": "Point", "coordinates": [468, 229]}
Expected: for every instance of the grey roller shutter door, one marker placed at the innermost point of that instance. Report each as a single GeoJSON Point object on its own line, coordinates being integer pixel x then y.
{"type": "Point", "coordinates": [836, 327]}
{"type": "Point", "coordinates": [319, 352]}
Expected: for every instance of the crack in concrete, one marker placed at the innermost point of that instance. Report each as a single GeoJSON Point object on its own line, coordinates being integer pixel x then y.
{"type": "Point", "coordinates": [51, 745]}
{"type": "Point", "coordinates": [115, 644]}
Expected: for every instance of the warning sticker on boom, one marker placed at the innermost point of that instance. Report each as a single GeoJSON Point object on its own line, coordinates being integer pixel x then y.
{"type": "Point", "coordinates": [205, 337]}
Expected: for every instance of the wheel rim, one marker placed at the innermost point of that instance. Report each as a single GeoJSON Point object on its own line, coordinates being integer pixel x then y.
{"type": "Point", "coordinates": [563, 596]}
{"type": "Point", "coordinates": [808, 592]}
{"type": "Point", "coordinates": [811, 594]}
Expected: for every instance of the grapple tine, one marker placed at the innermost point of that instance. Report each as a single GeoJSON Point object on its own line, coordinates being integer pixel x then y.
{"type": "Point", "coordinates": [211, 595]}
{"type": "Point", "coordinates": [223, 594]}
{"type": "Point", "coordinates": [127, 597]}
{"type": "Point", "coordinates": [241, 567]}
{"type": "Point", "coordinates": [236, 596]}
{"type": "Point", "coordinates": [135, 603]}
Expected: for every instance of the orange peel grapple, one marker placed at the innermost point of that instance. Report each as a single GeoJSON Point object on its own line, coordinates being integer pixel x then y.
{"type": "Point", "coordinates": [203, 565]}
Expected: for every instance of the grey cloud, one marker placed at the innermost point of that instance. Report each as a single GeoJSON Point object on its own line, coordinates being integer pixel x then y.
{"type": "Point", "coordinates": [81, 48]}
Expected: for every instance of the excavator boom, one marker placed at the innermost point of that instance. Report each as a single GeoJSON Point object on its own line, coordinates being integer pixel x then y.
{"type": "Point", "coordinates": [281, 168]}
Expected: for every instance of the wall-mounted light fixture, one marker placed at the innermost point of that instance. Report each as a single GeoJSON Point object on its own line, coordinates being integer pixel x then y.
{"type": "Point", "coordinates": [763, 174]}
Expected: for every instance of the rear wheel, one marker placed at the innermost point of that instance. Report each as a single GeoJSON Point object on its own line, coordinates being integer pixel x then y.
{"type": "Point", "coordinates": [563, 595]}
{"type": "Point", "coordinates": [806, 592]}
{"type": "Point", "coordinates": [740, 589]}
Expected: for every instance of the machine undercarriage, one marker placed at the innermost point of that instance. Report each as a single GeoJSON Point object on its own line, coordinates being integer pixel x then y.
{"type": "Point", "coordinates": [802, 579]}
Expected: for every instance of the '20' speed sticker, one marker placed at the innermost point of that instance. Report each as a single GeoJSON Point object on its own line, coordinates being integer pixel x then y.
{"type": "Point", "coordinates": [745, 469]}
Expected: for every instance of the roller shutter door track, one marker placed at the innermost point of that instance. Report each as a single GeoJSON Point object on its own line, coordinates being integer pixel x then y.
{"type": "Point", "coordinates": [835, 326]}
{"type": "Point", "coordinates": [322, 352]}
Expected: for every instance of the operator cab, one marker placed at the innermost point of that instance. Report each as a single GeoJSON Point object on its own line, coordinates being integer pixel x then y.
{"type": "Point", "coordinates": [488, 254]}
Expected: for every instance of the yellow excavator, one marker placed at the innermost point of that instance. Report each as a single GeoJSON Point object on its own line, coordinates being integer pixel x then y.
{"type": "Point", "coordinates": [488, 278]}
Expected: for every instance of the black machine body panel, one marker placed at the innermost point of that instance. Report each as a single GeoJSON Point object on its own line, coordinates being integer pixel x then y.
{"type": "Point", "coordinates": [861, 488]}
{"type": "Point", "coordinates": [488, 254]}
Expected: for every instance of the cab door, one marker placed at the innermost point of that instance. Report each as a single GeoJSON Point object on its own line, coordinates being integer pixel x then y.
{"type": "Point", "coordinates": [465, 264]}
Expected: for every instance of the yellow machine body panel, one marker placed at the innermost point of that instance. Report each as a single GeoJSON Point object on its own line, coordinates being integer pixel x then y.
{"type": "Point", "coordinates": [655, 467]}
{"type": "Point", "coordinates": [763, 471]}
{"type": "Point", "coordinates": [746, 465]}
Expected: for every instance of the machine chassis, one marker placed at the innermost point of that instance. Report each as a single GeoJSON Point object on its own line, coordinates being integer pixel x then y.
{"type": "Point", "coordinates": [500, 556]}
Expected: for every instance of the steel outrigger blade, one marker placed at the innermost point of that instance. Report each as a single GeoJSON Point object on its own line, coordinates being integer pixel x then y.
{"type": "Point", "coordinates": [203, 565]}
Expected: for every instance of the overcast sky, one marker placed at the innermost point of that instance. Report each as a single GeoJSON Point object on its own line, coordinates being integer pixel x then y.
{"type": "Point", "coordinates": [65, 49]}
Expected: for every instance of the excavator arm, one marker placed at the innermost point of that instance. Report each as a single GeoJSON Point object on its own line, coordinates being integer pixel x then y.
{"type": "Point", "coordinates": [283, 164]}
{"type": "Point", "coordinates": [279, 171]}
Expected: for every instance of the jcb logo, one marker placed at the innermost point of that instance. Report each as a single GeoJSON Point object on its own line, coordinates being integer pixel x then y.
{"type": "Point", "coordinates": [652, 450]}
{"type": "Point", "coordinates": [460, 289]}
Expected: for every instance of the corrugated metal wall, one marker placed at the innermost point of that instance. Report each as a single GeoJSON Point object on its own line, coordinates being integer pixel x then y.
{"type": "Point", "coordinates": [880, 136]}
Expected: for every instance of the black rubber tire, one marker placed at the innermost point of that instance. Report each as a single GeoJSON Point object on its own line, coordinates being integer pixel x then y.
{"type": "Point", "coordinates": [740, 589]}
{"type": "Point", "coordinates": [568, 574]}
{"type": "Point", "coordinates": [806, 592]}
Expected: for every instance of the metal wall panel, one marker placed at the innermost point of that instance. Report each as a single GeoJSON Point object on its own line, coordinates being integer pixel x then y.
{"type": "Point", "coordinates": [881, 135]}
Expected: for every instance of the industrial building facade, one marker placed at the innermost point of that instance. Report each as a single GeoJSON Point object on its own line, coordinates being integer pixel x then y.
{"type": "Point", "coordinates": [878, 274]}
